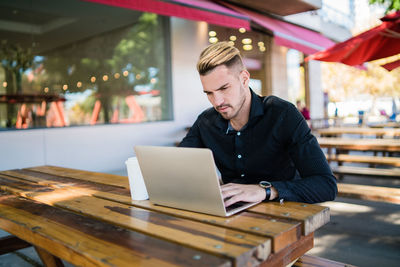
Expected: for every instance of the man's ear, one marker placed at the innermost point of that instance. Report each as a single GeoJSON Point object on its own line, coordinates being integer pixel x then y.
{"type": "Point", "coordinates": [244, 78]}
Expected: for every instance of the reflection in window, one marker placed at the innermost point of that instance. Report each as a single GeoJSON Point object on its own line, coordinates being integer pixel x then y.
{"type": "Point", "coordinates": [65, 63]}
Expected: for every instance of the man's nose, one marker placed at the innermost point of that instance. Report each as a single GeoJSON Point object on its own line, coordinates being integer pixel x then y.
{"type": "Point", "coordinates": [218, 99]}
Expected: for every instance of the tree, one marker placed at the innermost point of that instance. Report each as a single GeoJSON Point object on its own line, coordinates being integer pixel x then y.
{"type": "Point", "coordinates": [14, 60]}
{"type": "Point", "coordinates": [391, 5]}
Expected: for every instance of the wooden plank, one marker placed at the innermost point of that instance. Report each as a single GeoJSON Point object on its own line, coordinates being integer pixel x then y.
{"type": "Point", "coordinates": [368, 192]}
{"type": "Point", "coordinates": [291, 253]}
{"type": "Point", "coordinates": [12, 243]}
{"type": "Point", "coordinates": [243, 248]}
{"type": "Point", "coordinates": [85, 241]}
{"type": "Point", "coordinates": [311, 216]}
{"type": "Point", "coordinates": [358, 130]}
{"type": "Point", "coordinates": [95, 177]}
{"type": "Point", "coordinates": [392, 161]}
{"type": "Point", "coordinates": [313, 261]}
{"type": "Point", "coordinates": [240, 247]}
{"type": "Point", "coordinates": [282, 231]}
{"type": "Point", "coordinates": [364, 171]}
{"type": "Point", "coordinates": [48, 259]}
{"type": "Point", "coordinates": [391, 145]}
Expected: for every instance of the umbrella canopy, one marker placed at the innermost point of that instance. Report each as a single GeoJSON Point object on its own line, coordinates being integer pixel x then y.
{"type": "Point", "coordinates": [392, 65]}
{"type": "Point", "coordinates": [379, 42]}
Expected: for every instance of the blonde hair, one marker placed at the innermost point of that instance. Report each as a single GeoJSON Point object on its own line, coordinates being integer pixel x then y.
{"type": "Point", "coordinates": [217, 54]}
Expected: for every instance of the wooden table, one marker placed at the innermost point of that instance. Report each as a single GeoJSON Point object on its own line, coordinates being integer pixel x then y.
{"type": "Point", "coordinates": [364, 131]}
{"type": "Point", "coordinates": [385, 145]}
{"type": "Point", "coordinates": [88, 219]}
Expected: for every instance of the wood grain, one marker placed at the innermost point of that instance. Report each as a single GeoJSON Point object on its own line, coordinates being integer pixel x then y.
{"type": "Point", "coordinates": [281, 230]}
{"type": "Point", "coordinates": [369, 192]}
{"type": "Point", "coordinates": [89, 242]}
{"type": "Point", "coordinates": [311, 216]}
{"type": "Point", "coordinates": [95, 177]}
{"type": "Point", "coordinates": [243, 248]}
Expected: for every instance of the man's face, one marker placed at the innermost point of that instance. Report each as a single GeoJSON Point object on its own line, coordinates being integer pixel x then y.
{"type": "Point", "coordinates": [226, 90]}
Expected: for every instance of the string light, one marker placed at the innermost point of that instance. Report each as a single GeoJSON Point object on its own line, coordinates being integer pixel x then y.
{"type": "Point", "coordinates": [93, 79]}
{"type": "Point", "coordinates": [46, 89]}
{"type": "Point", "coordinates": [4, 84]}
{"type": "Point", "coordinates": [105, 78]}
{"type": "Point", "coordinates": [232, 38]}
{"type": "Point", "coordinates": [78, 84]}
{"type": "Point", "coordinates": [117, 75]}
{"type": "Point", "coordinates": [242, 30]}
{"type": "Point", "coordinates": [247, 47]}
{"type": "Point", "coordinates": [213, 40]}
{"type": "Point", "coordinates": [231, 43]}
{"type": "Point", "coordinates": [246, 41]}
{"type": "Point", "coordinates": [212, 33]}
{"type": "Point", "coordinates": [65, 87]}
{"type": "Point", "coordinates": [125, 73]}
{"type": "Point", "coordinates": [138, 76]}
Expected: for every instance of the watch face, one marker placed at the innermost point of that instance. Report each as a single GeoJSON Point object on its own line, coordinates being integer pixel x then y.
{"type": "Point", "coordinates": [265, 184]}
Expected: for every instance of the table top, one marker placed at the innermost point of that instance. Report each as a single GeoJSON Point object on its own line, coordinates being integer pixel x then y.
{"type": "Point", "coordinates": [364, 144]}
{"type": "Point", "coordinates": [359, 130]}
{"type": "Point", "coordinates": [89, 219]}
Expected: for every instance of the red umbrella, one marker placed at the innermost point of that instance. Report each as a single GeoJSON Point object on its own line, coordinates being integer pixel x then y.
{"type": "Point", "coordinates": [376, 43]}
{"type": "Point", "coordinates": [392, 65]}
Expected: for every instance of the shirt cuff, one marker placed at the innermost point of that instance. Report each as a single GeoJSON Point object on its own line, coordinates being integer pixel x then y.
{"type": "Point", "coordinates": [283, 192]}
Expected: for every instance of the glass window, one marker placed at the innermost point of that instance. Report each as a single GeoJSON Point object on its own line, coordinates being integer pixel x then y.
{"type": "Point", "coordinates": [69, 62]}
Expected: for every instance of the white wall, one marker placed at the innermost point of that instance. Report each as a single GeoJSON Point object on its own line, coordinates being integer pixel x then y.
{"type": "Point", "coordinates": [106, 147]}
{"type": "Point", "coordinates": [316, 93]}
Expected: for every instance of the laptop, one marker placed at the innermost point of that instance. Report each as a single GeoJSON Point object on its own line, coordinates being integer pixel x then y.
{"type": "Point", "coordinates": [184, 178]}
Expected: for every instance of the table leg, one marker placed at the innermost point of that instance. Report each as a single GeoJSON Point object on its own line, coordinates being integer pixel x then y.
{"type": "Point", "coordinates": [291, 253]}
{"type": "Point", "coordinates": [11, 243]}
{"type": "Point", "coordinates": [48, 259]}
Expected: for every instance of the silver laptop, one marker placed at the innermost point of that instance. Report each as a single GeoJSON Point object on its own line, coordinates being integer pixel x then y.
{"type": "Point", "coordinates": [184, 178]}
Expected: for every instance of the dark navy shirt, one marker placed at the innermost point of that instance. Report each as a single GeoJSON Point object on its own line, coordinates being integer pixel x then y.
{"type": "Point", "coordinates": [276, 145]}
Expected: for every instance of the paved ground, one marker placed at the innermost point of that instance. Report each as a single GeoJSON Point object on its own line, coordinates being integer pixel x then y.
{"type": "Point", "coordinates": [362, 233]}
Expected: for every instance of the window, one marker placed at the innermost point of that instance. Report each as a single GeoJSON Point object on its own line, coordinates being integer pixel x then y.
{"type": "Point", "coordinates": [67, 63]}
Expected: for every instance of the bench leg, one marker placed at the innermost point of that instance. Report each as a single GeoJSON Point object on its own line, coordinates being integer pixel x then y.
{"type": "Point", "coordinates": [48, 259]}
{"type": "Point", "coordinates": [12, 243]}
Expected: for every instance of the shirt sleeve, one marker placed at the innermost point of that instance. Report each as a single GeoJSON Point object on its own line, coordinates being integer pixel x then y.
{"type": "Point", "coordinates": [317, 183]}
{"type": "Point", "coordinates": [193, 138]}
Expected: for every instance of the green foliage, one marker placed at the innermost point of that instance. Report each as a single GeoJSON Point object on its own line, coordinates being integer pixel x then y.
{"type": "Point", "coordinates": [391, 5]}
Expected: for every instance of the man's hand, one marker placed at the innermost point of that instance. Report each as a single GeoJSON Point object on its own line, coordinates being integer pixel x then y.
{"type": "Point", "coordinates": [242, 192]}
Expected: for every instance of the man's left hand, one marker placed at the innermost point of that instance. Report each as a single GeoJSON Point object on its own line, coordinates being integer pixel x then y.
{"type": "Point", "coordinates": [233, 193]}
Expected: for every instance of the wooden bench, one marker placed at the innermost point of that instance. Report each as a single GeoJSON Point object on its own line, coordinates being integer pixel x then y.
{"type": "Point", "coordinates": [365, 171]}
{"type": "Point", "coordinates": [313, 261]}
{"type": "Point", "coordinates": [392, 161]}
{"type": "Point", "coordinates": [370, 192]}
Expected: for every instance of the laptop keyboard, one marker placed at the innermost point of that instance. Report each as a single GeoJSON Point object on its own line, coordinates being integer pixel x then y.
{"type": "Point", "coordinates": [236, 205]}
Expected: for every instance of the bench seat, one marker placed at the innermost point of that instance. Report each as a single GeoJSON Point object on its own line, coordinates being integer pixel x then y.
{"type": "Point", "coordinates": [370, 192]}
{"type": "Point", "coordinates": [392, 161]}
{"type": "Point", "coordinates": [313, 261]}
{"type": "Point", "coordinates": [364, 171]}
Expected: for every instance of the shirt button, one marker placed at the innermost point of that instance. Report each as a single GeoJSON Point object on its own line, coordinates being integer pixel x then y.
{"type": "Point", "coordinates": [242, 175]}
{"type": "Point", "coordinates": [238, 133]}
{"type": "Point", "coordinates": [239, 156]}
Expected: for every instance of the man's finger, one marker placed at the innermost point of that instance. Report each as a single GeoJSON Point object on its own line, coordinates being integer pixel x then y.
{"type": "Point", "coordinates": [229, 193]}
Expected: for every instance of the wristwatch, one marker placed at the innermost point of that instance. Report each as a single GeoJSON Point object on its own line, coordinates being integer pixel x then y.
{"type": "Point", "coordinates": [267, 186]}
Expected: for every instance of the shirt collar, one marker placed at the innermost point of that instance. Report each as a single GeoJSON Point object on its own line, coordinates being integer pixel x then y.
{"type": "Point", "coordinates": [256, 110]}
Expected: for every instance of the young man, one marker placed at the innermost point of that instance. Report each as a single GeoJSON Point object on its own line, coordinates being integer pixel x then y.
{"type": "Point", "coordinates": [262, 145]}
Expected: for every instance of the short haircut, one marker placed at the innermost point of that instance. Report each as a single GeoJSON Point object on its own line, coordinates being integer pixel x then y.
{"type": "Point", "coordinates": [217, 54]}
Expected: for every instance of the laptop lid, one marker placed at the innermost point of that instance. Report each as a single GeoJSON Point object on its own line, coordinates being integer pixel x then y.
{"type": "Point", "coordinates": [183, 178]}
